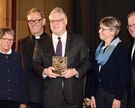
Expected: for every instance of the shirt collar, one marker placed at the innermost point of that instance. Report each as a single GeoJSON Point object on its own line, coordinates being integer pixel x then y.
{"type": "Point", "coordinates": [38, 36]}
{"type": "Point", "coordinates": [9, 52]}
{"type": "Point", "coordinates": [63, 36]}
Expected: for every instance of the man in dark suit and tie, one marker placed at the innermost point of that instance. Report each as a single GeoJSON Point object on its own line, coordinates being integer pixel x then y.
{"type": "Point", "coordinates": [63, 90]}
{"type": "Point", "coordinates": [26, 46]}
{"type": "Point", "coordinates": [131, 29]}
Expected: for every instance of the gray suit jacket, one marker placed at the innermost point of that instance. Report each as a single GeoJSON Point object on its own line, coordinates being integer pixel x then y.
{"type": "Point", "coordinates": [78, 58]}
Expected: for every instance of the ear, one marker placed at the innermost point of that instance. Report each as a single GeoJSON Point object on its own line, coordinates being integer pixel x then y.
{"type": "Point", "coordinates": [43, 21]}
{"type": "Point", "coordinates": [113, 32]}
{"type": "Point", "coordinates": [66, 21]}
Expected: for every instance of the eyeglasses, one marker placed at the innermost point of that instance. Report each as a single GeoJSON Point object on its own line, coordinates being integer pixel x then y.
{"type": "Point", "coordinates": [103, 29]}
{"type": "Point", "coordinates": [36, 21]}
{"type": "Point", "coordinates": [56, 21]}
{"type": "Point", "coordinates": [131, 26]}
{"type": "Point", "coordinates": [6, 39]}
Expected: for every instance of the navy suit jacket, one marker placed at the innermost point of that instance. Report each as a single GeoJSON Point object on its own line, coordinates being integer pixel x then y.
{"type": "Point", "coordinates": [132, 78]}
{"type": "Point", "coordinates": [78, 58]}
{"type": "Point", "coordinates": [114, 75]}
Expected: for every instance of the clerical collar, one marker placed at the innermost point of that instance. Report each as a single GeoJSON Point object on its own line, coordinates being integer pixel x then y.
{"type": "Point", "coordinates": [37, 37]}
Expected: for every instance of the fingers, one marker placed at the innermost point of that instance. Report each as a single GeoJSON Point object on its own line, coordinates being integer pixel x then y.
{"type": "Point", "coordinates": [93, 102]}
{"type": "Point", "coordinates": [53, 75]}
{"type": "Point", "coordinates": [87, 101]}
{"type": "Point", "coordinates": [49, 72]}
{"type": "Point", "coordinates": [116, 103]}
{"type": "Point", "coordinates": [68, 73]}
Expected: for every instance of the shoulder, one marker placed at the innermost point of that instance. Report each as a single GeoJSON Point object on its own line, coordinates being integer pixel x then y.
{"type": "Point", "coordinates": [44, 42]}
{"type": "Point", "coordinates": [23, 40]}
{"type": "Point", "coordinates": [121, 50]}
{"type": "Point", "coordinates": [44, 35]}
{"type": "Point", "coordinates": [16, 54]}
{"type": "Point", "coordinates": [44, 38]}
{"type": "Point", "coordinates": [122, 46]}
{"type": "Point", "coordinates": [75, 37]}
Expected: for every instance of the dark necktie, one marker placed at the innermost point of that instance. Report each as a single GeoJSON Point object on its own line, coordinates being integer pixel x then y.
{"type": "Point", "coordinates": [59, 47]}
{"type": "Point", "coordinates": [59, 53]}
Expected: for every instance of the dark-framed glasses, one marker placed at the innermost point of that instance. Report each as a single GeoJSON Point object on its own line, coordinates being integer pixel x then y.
{"type": "Point", "coordinates": [36, 21]}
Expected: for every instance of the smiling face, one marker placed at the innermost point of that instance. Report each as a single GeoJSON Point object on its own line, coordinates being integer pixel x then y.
{"type": "Point", "coordinates": [131, 25]}
{"type": "Point", "coordinates": [36, 23]}
{"type": "Point", "coordinates": [6, 42]}
{"type": "Point", "coordinates": [58, 21]}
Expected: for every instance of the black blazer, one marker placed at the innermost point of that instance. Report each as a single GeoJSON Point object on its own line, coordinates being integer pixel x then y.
{"type": "Point", "coordinates": [78, 58]}
{"type": "Point", "coordinates": [114, 75]}
{"type": "Point", "coordinates": [132, 78]}
{"type": "Point", "coordinates": [34, 82]}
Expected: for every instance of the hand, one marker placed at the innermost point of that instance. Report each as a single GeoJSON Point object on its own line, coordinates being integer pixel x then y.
{"type": "Point", "coordinates": [22, 106]}
{"type": "Point", "coordinates": [49, 72]}
{"type": "Point", "coordinates": [116, 103]}
{"type": "Point", "coordinates": [93, 102]}
{"type": "Point", "coordinates": [87, 101]}
{"type": "Point", "coordinates": [69, 73]}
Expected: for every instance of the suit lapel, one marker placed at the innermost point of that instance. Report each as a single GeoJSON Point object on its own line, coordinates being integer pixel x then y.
{"type": "Point", "coordinates": [132, 65]}
{"type": "Point", "coordinates": [68, 44]}
{"type": "Point", "coordinates": [30, 46]}
{"type": "Point", "coordinates": [51, 46]}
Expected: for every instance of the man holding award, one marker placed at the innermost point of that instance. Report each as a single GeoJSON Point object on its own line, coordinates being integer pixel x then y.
{"type": "Point", "coordinates": [63, 60]}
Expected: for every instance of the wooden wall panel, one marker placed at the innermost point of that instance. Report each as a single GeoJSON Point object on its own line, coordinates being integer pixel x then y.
{"type": "Point", "coordinates": [45, 5]}
{"type": "Point", "coordinates": [23, 6]}
{"type": "Point", "coordinates": [5, 13]}
{"type": "Point", "coordinates": [2, 13]}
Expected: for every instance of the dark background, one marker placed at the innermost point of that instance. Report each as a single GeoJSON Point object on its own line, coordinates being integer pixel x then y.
{"type": "Point", "coordinates": [87, 13]}
{"type": "Point", "coordinates": [84, 16]}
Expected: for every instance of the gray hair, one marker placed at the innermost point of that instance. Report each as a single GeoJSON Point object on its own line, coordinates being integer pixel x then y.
{"type": "Point", "coordinates": [33, 10]}
{"type": "Point", "coordinates": [7, 30]}
{"type": "Point", "coordinates": [111, 22]}
{"type": "Point", "coordinates": [58, 10]}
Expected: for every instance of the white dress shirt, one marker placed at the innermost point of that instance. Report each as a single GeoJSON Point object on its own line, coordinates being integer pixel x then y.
{"type": "Point", "coordinates": [63, 40]}
{"type": "Point", "coordinates": [133, 49]}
